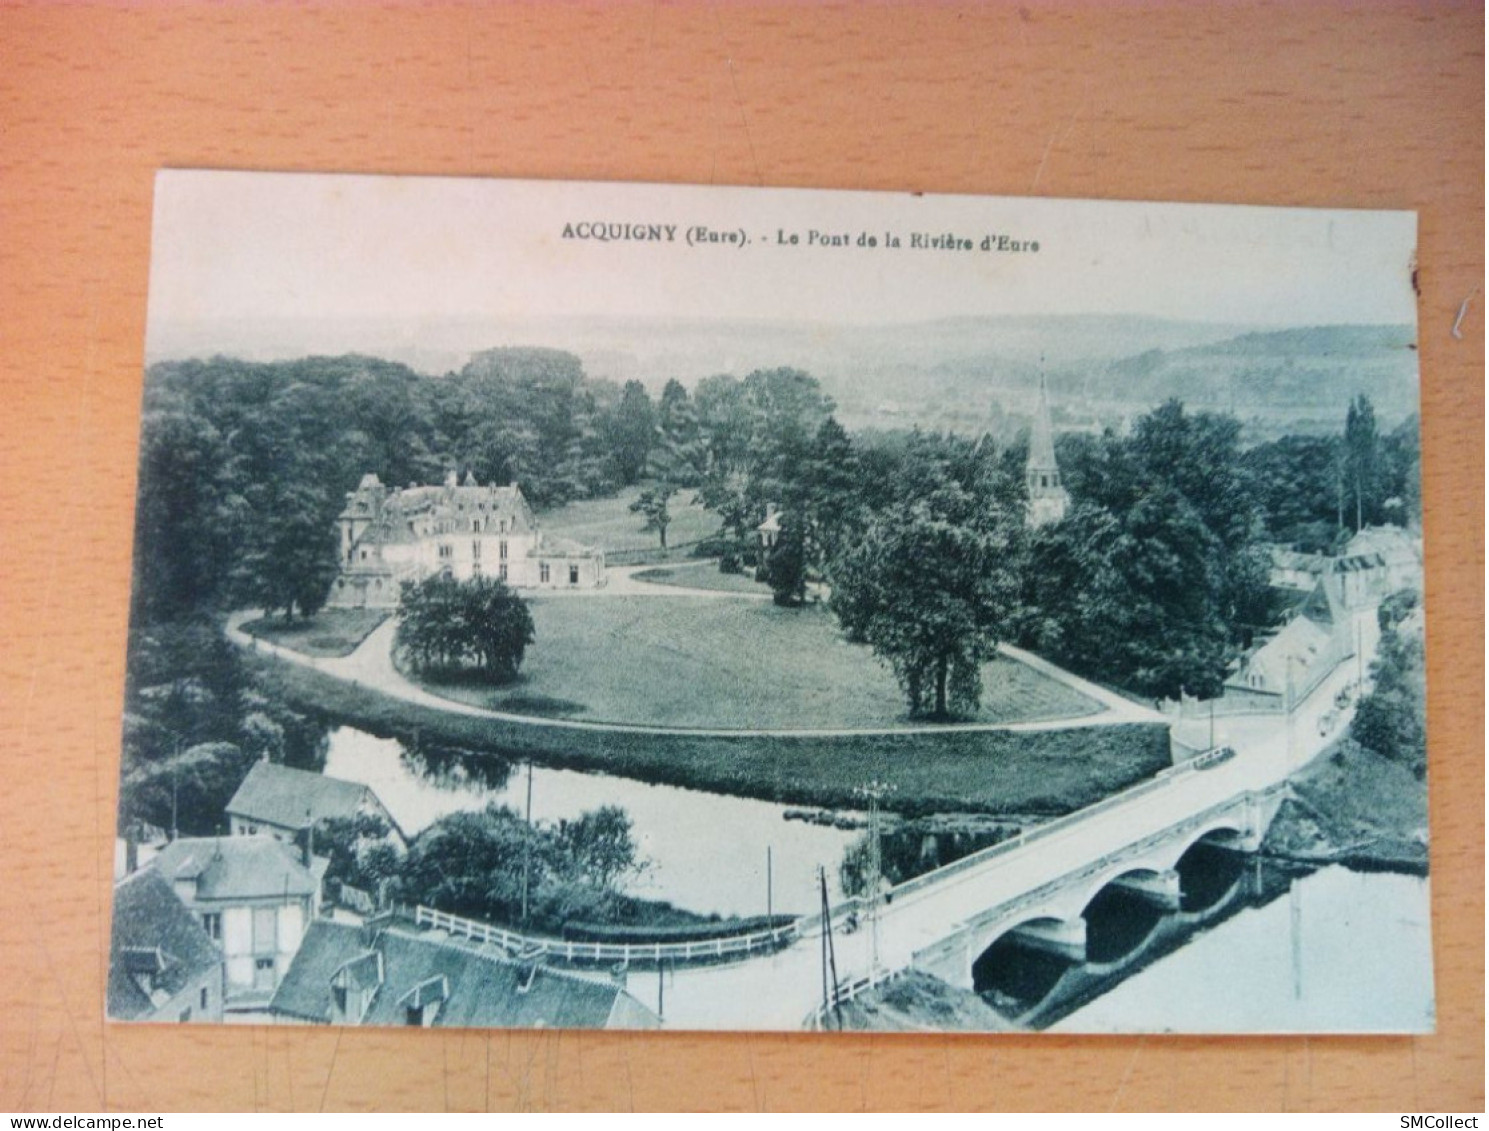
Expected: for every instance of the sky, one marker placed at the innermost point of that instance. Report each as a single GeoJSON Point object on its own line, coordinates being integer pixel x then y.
{"type": "Point", "coordinates": [406, 251]}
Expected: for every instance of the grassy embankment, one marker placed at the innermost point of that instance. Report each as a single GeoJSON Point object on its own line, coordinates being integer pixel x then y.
{"type": "Point", "coordinates": [1354, 807]}
{"type": "Point", "coordinates": [1001, 772]}
{"type": "Point", "coordinates": [331, 632]}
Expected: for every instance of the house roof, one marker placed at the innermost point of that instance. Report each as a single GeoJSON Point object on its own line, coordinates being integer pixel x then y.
{"type": "Point", "coordinates": [1299, 642]}
{"type": "Point", "coordinates": [478, 988]}
{"type": "Point", "coordinates": [238, 867]}
{"type": "Point", "coordinates": [154, 935]}
{"type": "Point", "coordinates": [1392, 544]}
{"type": "Point", "coordinates": [293, 799]}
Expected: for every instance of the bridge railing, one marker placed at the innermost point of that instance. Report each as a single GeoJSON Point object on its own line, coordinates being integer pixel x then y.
{"type": "Point", "coordinates": [571, 950]}
{"type": "Point", "coordinates": [1039, 832]}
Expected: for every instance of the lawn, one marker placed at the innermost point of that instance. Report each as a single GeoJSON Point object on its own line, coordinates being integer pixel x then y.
{"type": "Point", "coordinates": [610, 525]}
{"type": "Point", "coordinates": [704, 575]}
{"type": "Point", "coordinates": [331, 632]}
{"type": "Point", "coordinates": [1009, 773]}
{"type": "Point", "coordinates": [696, 662]}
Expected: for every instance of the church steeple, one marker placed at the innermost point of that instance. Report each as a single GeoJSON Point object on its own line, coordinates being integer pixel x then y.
{"type": "Point", "coordinates": [1048, 500]}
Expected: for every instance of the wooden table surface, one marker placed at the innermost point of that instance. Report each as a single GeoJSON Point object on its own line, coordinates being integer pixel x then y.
{"type": "Point", "coordinates": [1376, 105]}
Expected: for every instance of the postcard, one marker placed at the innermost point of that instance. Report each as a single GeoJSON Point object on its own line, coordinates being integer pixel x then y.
{"type": "Point", "coordinates": [639, 606]}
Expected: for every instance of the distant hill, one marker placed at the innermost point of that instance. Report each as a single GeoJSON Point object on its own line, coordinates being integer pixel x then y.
{"type": "Point", "coordinates": [965, 373]}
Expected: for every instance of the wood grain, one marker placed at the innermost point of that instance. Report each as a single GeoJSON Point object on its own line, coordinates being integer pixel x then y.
{"type": "Point", "coordinates": [1376, 105]}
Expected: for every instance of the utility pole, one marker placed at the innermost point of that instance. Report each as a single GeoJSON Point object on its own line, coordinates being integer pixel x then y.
{"type": "Point", "coordinates": [826, 1001]}
{"type": "Point", "coordinates": [874, 791]}
{"type": "Point", "coordinates": [832, 958]}
{"type": "Point", "coordinates": [527, 840]}
{"type": "Point", "coordinates": [769, 892]}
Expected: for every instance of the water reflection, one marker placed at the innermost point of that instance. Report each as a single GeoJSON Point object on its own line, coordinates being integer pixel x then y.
{"type": "Point", "coordinates": [706, 852]}
{"type": "Point", "coordinates": [1343, 951]}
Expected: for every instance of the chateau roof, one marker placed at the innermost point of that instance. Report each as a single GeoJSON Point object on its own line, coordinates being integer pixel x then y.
{"type": "Point", "coordinates": [480, 988]}
{"type": "Point", "coordinates": [294, 799]}
{"type": "Point", "coordinates": [153, 934]}
{"type": "Point", "coordinates": [238, 867]}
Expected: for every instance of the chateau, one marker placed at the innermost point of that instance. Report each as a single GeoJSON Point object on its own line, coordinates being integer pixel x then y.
{"type": "Point", "coordinates": [462, 529]}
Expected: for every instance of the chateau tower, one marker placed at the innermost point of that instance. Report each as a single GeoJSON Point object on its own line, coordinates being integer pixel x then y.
{"type": "Point", "coordinates": [1048, 501]}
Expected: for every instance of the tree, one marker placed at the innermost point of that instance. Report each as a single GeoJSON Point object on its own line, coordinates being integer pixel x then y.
{"type": "Point", "coordinates": [931, 589]}
{"type": "Point", "coordinates": [470, 864]}
{"type": "Point", "coordinates": [631, 429]}
{"type": "Point", "coordinates": [786, 564]}
{"type": "Point", "coordinates": [1361, 470]}
{"type": "Point", "coordinates": [597, 848]}
{"type": "Point", "coordinates": [1392, 719]}
{"type": "Point", "coordinates": [652, 504]}
{"type": "Point", "coordinates": [1137, 599]}
{"type": "Point", "coordinates": [361, 851]}
{"type": "Point", "coordinates": [447, 626]}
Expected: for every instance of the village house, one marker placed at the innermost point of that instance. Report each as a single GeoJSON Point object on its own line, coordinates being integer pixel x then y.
{"type": "Point", "coordinates": [1376, 562]}
{"type": "Point", "coordinates": [283, 802]}
{"type": "Point", "coordinates": [464, 530]}
{"type": "Point", "coordinates": [1290, 664]}
{"type": "Point", "coordinates": [253, 896]}
{"type": "Point", "coordinates": [162, 964]}
{"type": "Point", "coordinates": [387, 973]}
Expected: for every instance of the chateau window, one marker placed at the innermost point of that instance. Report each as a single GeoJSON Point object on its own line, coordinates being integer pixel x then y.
{"type": "Point", "coordinates": [212, 924]}
{"type": "Point", "coordinates": [573, 575]}
{"type": "Point", "coordinates": [475, 550]}
{"type": "Point", "coordinates": [501, 550]}
{"type": "Point", "coordinates": [364, 555]}
{"type": "Point", "coordinates": [204, 997]}
{"type": "Point", "coordinates": [543, 573]}
{"type": "Point", "coordinates": [502, 526]}
{"type": "Point", "coordinates": [446, 550]}
{"type": "Point", "coordinates": [502, 571]}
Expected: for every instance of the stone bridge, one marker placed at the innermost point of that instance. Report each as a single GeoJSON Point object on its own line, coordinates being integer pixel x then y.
{"type": "Point", "coordinates": [1051, 916]}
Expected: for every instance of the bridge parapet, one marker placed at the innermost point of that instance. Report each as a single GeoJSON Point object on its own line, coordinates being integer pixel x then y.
{"type": "Point", "coordinates": [1052, 912]}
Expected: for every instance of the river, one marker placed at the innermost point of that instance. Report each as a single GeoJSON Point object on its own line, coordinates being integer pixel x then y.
{"type": "Point", "coordinates": [705, 852]}
{"type": "Point", "coordinates": [1336, 951]}
{"type": "Point", "coordinates": [1328, 951]}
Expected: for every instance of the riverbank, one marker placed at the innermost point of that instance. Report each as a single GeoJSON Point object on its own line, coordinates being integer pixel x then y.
{"type": "Point", "coordinates": [918, 1003]}
{"type": "Point", "coordinates": [1036, 772]}
{"type": "Point", "coordinates": [1355, 808]}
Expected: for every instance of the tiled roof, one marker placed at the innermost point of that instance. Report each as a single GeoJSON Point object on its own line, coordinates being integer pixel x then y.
{"type": "Point", "coordinates": [476, 988]}
{"type": "Point", "coordinates": [153, 932]}
{"type": "Point", "coordinates": [237, 867]}
{"type": "Point", "coordinates": [293, 799]}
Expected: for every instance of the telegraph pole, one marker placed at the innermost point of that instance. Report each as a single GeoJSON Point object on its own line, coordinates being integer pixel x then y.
{"type": "Point", "coordinates": [874, 791]}
{"type": "Point", "coordinates": [527, 844]}
{"type": "Point", "coordinates": [769, 889]}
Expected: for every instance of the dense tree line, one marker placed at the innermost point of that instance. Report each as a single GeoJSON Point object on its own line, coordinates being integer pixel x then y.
{"type": "Point", "coordinates": [1155, 580]}
{"type": "Point", "coordinates": [1392, 719]}
{"type": "Point", "coordinates": [193, 726]}
{"type": "Point", "coordinates": [244, 466]}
